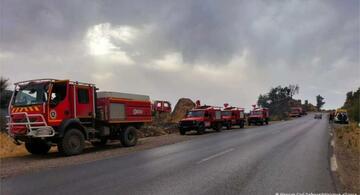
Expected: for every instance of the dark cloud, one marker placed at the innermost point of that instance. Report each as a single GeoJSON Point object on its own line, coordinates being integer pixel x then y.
{"type": "Point", "coordinates": [250, 44]}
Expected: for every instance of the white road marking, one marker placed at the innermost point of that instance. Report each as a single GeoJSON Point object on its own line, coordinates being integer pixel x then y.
{"type": "Point", "coordinates": [333, 163]}
{"type": "Point", "coordinates": [215, 155]}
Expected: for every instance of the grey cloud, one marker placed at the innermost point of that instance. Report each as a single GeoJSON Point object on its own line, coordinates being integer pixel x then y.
{"type": "Point", "coordinates": [304, 42]}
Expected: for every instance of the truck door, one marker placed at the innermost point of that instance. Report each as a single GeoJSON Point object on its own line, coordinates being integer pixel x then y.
{"type": "Point", "coordinates": [59, 108]}
{"type": "Point", "coordinates": [84, 101]}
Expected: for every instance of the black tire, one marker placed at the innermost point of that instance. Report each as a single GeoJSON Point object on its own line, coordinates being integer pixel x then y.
{"type": "Point", "coordinates": [72, 143]}
{"type": "Point", "coordinates": [201, 129]}
{"type": "Point", "coordinates": [249, 123]}
{"type": "Point", "coordinates": [182, 131]}
{"type": "Point", "coordinates": [228, 126]}
{"type": "Point", "coordinates": [266, 121]}
{"type": "Point", "coordinates": [37, 147]}
{"type": "Point", "coordinates": [103, 141]}
{"type": "Point", "coordinates": [241, 124]}
{"type": "Point", "coordinates": [261, 122]}
{"type": "Point", "coordinates": [218, 127]}
{"type": "Point", "coordinates": [128, 137]}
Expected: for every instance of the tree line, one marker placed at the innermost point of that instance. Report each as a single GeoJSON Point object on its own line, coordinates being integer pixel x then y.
{"type": "Point", "coordinates": [352, 105]}
{"type": "Point", "coordinates": [279, 101]}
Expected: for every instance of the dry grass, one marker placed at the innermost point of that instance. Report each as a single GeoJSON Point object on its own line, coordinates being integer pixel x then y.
{"type": "Point", "coordinates": [349, 136]}
{"type": "Point", "coordinates": [8, 148]}
{"type": "Point", "coordinates": [347, 152]}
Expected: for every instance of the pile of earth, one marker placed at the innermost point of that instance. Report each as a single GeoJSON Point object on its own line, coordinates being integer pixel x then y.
{"type": "Point", "coordinates": [166, 123]}
{"type": "Point", "coordinates": [181, 108]}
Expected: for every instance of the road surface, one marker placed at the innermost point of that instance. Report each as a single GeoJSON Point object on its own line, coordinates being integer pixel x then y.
{"type": "Point", "coordinates": [285, 157]}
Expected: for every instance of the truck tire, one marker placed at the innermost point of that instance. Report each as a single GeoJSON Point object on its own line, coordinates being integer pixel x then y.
{"type": "Point", "coordinates": [249, 123]}
{"type": "Point", "coordinates": [228, 125]}
{"type": "Point", "coordinates": [267, 121]}
{"type": "Point", "coordinates": [201, 129]}
{"type": "Point", "coordinates": [241, 124]}
{"type": "Point", "coordinates": [103, 141]}
{"type": "Point", "coordinates": [37, 147]}
{"type": "Point", "coordinates": [261, 122]}
{"type": "Point", "coordinates": [182, 131]}
{"type": "Point", "coordinates": [128, 137]}
{"type": "Point", "coordinates": [218, 127]}
{"type": "Point", "coordinates": [72, 143]}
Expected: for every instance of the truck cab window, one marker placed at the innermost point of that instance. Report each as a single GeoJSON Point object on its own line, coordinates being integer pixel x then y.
{"type": "Point", "coordinates": [83, 95]}
{"type": "Point", "coordinates": [58, 94]}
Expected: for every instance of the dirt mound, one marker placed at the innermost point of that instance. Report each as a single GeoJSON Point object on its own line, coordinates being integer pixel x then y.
{"type": "Point", "coordinates": [181, 107]}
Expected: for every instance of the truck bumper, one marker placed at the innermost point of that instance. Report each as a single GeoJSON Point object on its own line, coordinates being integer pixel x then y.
{"type": "Point", "coordinates": [189, 127]}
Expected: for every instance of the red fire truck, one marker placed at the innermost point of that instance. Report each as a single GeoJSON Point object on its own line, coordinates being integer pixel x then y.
{"type": "Point", "coordinates": [45, 112]}
{"type": "Point", "coordinates": [258, 116]}
{"type": "Point", "coordinates": [201, 118]}
{"type": "Point", "coordinates": [161, 106]}
{"type": "Point", "coordinates": [296, 112]}
{"type": "Point", "coordinates": [233, 116]}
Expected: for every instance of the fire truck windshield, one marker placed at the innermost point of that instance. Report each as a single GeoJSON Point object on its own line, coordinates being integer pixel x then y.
{"type": "Point", "coordinates": [195, 114]}
{"type": "Point", "coordinates": [256, 112]}
{"type": "Point", "coordinates": [30, 94]}
{"type": "Point", "coordinates": [226, 113]}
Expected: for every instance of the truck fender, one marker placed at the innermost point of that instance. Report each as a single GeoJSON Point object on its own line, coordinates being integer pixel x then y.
{"type": "Point", "coordinates": [75, 123]}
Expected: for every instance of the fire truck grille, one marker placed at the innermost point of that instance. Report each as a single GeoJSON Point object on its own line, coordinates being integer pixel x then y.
{"type": "Point", "coordinates": [22, 120]}
{"type": "Point", "coordinates": [187, 123]}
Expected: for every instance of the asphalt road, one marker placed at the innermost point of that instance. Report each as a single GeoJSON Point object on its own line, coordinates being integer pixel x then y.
{"type": "Point", "coordinates": [285, 157]}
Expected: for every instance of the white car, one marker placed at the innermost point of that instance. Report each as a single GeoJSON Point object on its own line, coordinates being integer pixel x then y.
{"type": "Point", "coordinates": [318, 116]}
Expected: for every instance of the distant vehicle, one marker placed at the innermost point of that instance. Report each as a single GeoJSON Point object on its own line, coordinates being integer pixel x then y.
{"type": "Point", "coordinates": [161, 106]}
{"type": "Point", "coordinates": [233, 116]}
{"type": "Point", "coordinates": [201, 118]}
{"type": "Point", "coordinates": [318, 116]}
{"type": "Point", "coordinates": [49, 111]}
{"type": "Point", "coordinates": [258, 116]}
{"type": "Point", "coordinates": [296, 112]}
{"type": "Point", "coordinates": [341, 116]}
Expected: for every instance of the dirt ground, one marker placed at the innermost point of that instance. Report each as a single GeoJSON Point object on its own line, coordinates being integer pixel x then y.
{"type": "Point", "coordinates": [347, 151]}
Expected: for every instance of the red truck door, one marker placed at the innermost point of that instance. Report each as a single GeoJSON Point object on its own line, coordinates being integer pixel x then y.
{"type": "Point", "coordinates": [84, 101]}
{"type": "Point", "coordinates": [59, 107]}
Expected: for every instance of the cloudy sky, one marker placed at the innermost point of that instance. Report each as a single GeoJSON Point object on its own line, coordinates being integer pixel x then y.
{"type": "Point", "coordinates": [216, 51]}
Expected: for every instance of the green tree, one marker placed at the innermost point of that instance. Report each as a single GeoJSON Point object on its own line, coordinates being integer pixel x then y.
{"type": "Point", "coordinates": [278, 100]}
{"type": "Point", "coordinates": [5, 94]}
{"type": "Point", "coordinates": [319, 102]}
{"type": "Point", "coordinates": [4, 84]}
{"type": "Point", "coordinates": [352, 105]}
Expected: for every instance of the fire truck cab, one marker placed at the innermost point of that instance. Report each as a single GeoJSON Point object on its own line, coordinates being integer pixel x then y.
{"type": "Point", "coordinates": [296, 112]}
{"type": "Point", "coordinates": [161, 106]}
{"type": "Point", "coordinates": [233, 116]}
{"type": "Point", "coordinates": [259, 116]}
{"type": "Point", "coordinates": [201, 118]}
{"type": "Point", "coordinates": [65, 113]}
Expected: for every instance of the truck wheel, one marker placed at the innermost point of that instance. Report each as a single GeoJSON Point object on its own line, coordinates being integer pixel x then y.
{"type": "Point", "coordinates": [218, 127]}
{"type": "Point", "coordinates": [261, 122]}
{"type": "Point", "coordinates": [266, 121]}
{"type": "Point", "coordinates": [128, 137]}
{"type": "Point", "coordinates": [37, 147]}
{"type": "Point", "coordinates": [249, 123]}
{"type": "Point", "coordinates": [182, 131]}
{"type": "Point", "coordinates": [201, 129]}
{"type": "Point", "coordinates": [72, 143]}
{"type": "Point", "coordinates": [228, 126]}
{"type": "Point", "coordinates": [241, 124]}
{"type": "Point", "coordinates": [102, 142]}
